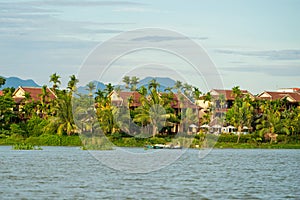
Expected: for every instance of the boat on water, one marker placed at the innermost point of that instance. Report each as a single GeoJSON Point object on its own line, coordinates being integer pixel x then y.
{"type": "Point", "coordinates": [163, 146]}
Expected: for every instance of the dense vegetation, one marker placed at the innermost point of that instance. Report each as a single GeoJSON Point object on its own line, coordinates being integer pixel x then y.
{"type": "Point", "coordinates": [53, 122]}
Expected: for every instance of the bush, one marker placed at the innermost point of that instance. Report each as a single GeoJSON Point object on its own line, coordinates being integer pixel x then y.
{"type": "Point", "coordinates": [35, 126]}
{"type": "Point", "coordinates": [24, 146]}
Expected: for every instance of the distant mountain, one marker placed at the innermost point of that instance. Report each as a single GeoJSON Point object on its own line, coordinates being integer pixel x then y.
{"type": "Point", "coordinates": [163, 81]}
{"type": "Point", "coordinates": [84, 89]}
{"type": "Point", "coordinates": [16, 82]}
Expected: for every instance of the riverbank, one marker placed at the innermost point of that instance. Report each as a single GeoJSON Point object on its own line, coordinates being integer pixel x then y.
{"type": "Point", "coordinates": [199, 141]}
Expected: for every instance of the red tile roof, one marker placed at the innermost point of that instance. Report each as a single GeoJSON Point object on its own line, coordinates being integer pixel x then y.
{"type": "Point", "coordinates": [228, 94]}
{"type": "Point", "coordinates": [178, 101]}
{"type": "Point", "coordinates": [181, 101]}
{"type": "Point", "coordinates": [280, 95]}
{"type": "Point", "coordinates": [1, 93]}
{"type": "Point", "coordinates": [34, 94]}
{"type": "Point", "coordinates": [125, 96]}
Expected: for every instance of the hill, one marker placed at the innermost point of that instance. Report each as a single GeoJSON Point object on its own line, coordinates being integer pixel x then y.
{"type": "Point", "coordinates": [16, 82]}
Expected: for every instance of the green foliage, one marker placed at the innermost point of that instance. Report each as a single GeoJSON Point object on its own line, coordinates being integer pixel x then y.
{"type": "Point", "coordinates": [36, 126]}
{"type": "Point", "coordinates": [17, 129]}
{"type": "Point", "coordinates": [7, 115]}
{"type": "Point", "coordinates": [24, 146]}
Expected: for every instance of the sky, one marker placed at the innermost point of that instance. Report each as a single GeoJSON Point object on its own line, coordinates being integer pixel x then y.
{"type": "Point", "coordinates": [253, 44]}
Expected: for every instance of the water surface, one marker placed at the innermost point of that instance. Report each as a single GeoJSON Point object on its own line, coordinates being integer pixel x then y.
{"type": "Point", "coordinates": [70, 173]}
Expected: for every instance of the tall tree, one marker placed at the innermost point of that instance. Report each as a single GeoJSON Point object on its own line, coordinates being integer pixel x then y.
{"type": "Point", "coordinates": [6, 111]}
{"type": "Point", "coordinates": [240, 114]}
{"type": "Point", "coordinates": [126, 80]}
{"type": "Point", "coordinates": [63, 121]}
{"type": "Point", "coordinates": [54, 78]}
{"type": "Point", "coordinates": [108, 88]}
{"type": "Point", "coordinates": [91, 87]}
{"type": "Point", "coordinates": [178, 86]}
{"type": "Point", "coordinates": [153, 84]}
{"type": "Point", "coordinates": [187, 89]}
{"type": "Point", "coordinates": [196, 93]}
{"type": "Point", "coordinates": [134, 81]}
{"type": "Point", "coordinates": [44, 94]}
{"type": "Point", "coordinates": [2, 81]}
{"type": "Point", "coordinates": [72, 84]}
{"type": "Point", "coordinates": [154, 109]}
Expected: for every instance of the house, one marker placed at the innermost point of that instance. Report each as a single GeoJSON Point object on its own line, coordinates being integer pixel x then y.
{"type": "Point", "coordinates": [224, 99]}
{"type": "Point", "coordinates": [178, 102]}
{"type": "Point", "coordinates": [1, 93]}
{"type": "Point", "coordinates": [293, 98]}
{"type": "Point", "coordinates": [125, 98]}
{"type": "Point", "coordinates": [35, 95]}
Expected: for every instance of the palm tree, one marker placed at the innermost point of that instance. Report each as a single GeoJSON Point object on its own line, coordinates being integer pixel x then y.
{"type": "Point", "coordinates": [108, 88]}
{"type": "Point", "coordinates": [134, 81]}
{"type": "Point", "coordinates": [55, 79]}
{"type": "Point", "coordinates": [154, 110]}
{"type": "Point", "coordinates": [153, 84]}
{"type": "Point", "coordinates": [240, 114]}
{"type": "Point", "coordinates": [90, 87]}
{"type": "Point", "coordinates": [269, 123]}
{"type": "Point", "coordinates": [236, 91]}
{"type": "Point", "coordinates": [44, 94]}
{"type": "Point", "coordinates": [126, 80]}
{"type": "Point", "coordinates": [2, 81]}
{"type": "Point", "coordinates": [143, 91]}
{"type": "Point", "coordinates": [196, 93]}
{"type": "Point", "coordinates": [177, 86]}
{"type": "Point", "coordinates": [187, 89]}
{"type": "Point", "coordinates": [72, 84]}
{"type": "Point", "coordinates": [63, 121]}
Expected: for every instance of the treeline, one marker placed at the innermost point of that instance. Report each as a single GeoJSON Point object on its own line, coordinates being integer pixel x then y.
{"type": "Point", "coordinates": [156, 114]}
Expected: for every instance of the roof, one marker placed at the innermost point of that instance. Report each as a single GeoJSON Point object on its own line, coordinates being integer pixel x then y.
{"type": "Point", "coordinates": [181, 101]}
{"type": "Point", "coordinates": [34, 93]}
{"type": "Point", "coordinates": [292, 96]}
{"type": "Point", "coordinates": [228, 94]}
{"type": "Point", "coordinates": [1, 93]}
{"type": "Point", "coordinates": [124, 96]}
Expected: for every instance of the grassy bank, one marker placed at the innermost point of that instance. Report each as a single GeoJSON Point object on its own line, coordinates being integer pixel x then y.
{"type": "Point", "coordinates": [199, 141]}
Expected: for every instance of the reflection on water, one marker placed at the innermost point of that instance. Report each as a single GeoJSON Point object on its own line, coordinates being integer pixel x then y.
{"type": "Point", "coordinates": [70, 173]}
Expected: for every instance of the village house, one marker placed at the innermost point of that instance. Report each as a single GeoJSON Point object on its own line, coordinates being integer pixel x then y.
{"type": "Point", "coordinates": [292, 97]}
{"type": "Point", "coordinates": [224, 99]}
{"type": "Point", "coordinates": [131, 99]}
{"type": "Point", "coordinates": [35, 93]}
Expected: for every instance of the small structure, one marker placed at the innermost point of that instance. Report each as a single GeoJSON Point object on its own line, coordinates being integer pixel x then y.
{"type": "Point", "coordinates": [292, 98]}
{"type": "Point", "coordinates": [193, 129]}
{"type": "Point", "coordinates": [35, 95]}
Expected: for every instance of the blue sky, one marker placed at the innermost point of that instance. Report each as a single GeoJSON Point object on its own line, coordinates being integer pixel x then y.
{"type": "Point", "coordinates": [254, 44]}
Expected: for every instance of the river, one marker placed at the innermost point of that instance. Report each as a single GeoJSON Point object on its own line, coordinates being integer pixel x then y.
{"type": "Point", "coordinates": [71, 173]}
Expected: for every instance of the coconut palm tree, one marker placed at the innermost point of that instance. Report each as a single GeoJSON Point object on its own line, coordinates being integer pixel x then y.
{"type": "Point", "coordinates": [240, 114]}
{"type": "Point", "coordinates": [2, 81]}
{"type": "Point", "coordinates": [72, 84]}
{"type": "Point", "coordinates": [134, 81]}
{"type": "Point", "coordinates": [63, 121]}
{"type": "Point", "coordinates": [108, 88]}
{"type": "Point", "coordinates": [126, 80]}
{"type": "Point", "coordinates": [269, 123]}
{"type": "Point", "coordinates": [154, 109]}
{"type": "Point", "coordinates": [54, 78]}
{"type": "Point", "coordinates": [187, 89]}
{"type": "Point", "coordinates": [153, 85]}
{"type": "Point", "coordinates": [44, 94]}
{"type": "Point", "coordinates": [196, 93]}
{"type": "Point", "coordinates": [91, 87]}
{"type": "Point", "coordinates": [178, 86]}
